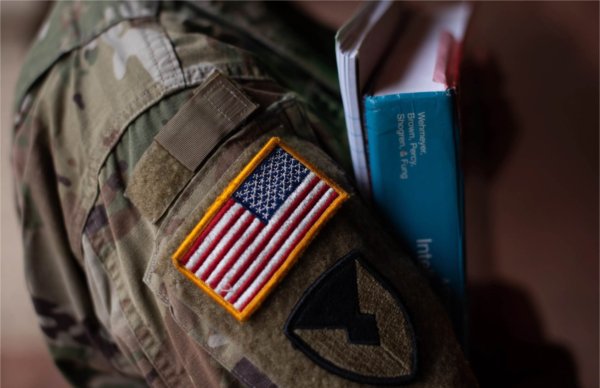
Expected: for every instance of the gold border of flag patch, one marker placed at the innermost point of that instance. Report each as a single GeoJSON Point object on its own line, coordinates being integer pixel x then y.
{"type": "Point", "coordinates": [288, 262]}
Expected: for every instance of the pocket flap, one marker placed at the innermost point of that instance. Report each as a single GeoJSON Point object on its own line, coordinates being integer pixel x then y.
{"type": "Point", "coordinates": [216, 109]}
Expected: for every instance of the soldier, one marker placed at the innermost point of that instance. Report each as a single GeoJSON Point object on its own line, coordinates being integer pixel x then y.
{"type": "Point", "coordinates": [187, 215]}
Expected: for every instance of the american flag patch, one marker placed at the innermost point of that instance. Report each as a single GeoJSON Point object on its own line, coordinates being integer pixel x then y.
{"type": "Point", "coordinates": [256, 229]}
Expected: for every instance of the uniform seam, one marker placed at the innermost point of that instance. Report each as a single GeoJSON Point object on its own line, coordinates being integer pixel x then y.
{"type": "Point", "coordinates": [196, 73]}
{"type": "Point", "coordinates": [209, 99]}
{"type": "Point", "coordinates": [150, 43]}
{"type": "Point", "coordinates": [160, 50]}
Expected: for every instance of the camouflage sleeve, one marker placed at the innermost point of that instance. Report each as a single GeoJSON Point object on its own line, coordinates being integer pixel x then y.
{"type": "Point", "coordinates": [184, 225]}
{"type": "Point", "coordinates": [86, 78]}
{"type": "Point", "coordinates": [60, 283]}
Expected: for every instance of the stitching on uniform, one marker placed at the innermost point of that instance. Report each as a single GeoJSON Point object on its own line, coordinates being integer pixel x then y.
{"type": "Point", "coordinates": [149, 44]}
{"type": "Point", "coordinates": [197, 73]}
{"type": "Point", "coordinates": [212, 103]}
{"type": "Point", "coordinates": [239, 98]}
{"type": "Point", "coordinates": [159, 49]}
{"type": "Point", "coordinates": [172, 70]}
{"type": "Point", "coordinates": [237, 95]}
{"type": "Point", "coordinates": [175, 70]}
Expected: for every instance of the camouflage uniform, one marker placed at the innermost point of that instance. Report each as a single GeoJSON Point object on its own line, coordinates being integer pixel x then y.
{"type": "Point", "coordinates": [100, 82]}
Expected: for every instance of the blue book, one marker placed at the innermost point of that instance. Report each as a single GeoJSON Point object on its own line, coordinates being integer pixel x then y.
{"type": "Point", "coordinates": [416, 183]}
{"type": "Point", "coordinates": [412, 143]}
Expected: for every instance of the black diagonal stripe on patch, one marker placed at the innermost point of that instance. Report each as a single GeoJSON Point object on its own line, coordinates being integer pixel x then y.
{"type": "Point", "coordinates": [351, 322]}
{"type": "Point", "coordinates": [335, 306]}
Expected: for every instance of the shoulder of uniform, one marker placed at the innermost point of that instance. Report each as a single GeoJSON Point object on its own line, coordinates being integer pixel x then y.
{"type": "Point", "coordinates": [71, 25]}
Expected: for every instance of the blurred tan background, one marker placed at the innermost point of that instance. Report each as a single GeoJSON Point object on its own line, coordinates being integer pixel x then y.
{"type": "Point", "coordinates": [25, 360]}
{"type": "Point", "coordinates": [530, 104]}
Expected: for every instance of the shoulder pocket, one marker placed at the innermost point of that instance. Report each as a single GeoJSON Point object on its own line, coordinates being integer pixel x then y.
{"type": "Point", "coordinates": [215, 110]}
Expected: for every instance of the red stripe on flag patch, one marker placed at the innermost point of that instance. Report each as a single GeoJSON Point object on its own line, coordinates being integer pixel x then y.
{"type": "Point", "coordinates": [241, 304]}
{"type": "Point", "coordinates": [276, 243]}
{"type": "Point", "coordinates": [256, 229]}
{"type": "Point", "coordinates": [201, 238]}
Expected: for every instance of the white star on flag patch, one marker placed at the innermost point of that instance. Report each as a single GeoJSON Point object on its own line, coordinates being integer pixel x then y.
{"type": "Point", "coordinates": [256, 229]}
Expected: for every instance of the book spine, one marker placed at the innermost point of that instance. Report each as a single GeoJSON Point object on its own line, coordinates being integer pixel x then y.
{"type": "Point", "coordinates": [417, 186]}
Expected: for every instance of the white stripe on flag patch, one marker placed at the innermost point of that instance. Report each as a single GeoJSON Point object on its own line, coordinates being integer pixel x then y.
{"type": "Point", "coordinates": [212, 235]}
{"type": "Point", "coordinates": [256, 224]}
{"type": "Point", "coordinates": [225, 284]}
{"type": "Point", "coordinates": [276, 260]}
{"type": "Point", "coordinates": [288, 224]}
{"type": "Point", "coordinates": [255, 230]}
{"type": "Point", "coordinates": [246, 215]}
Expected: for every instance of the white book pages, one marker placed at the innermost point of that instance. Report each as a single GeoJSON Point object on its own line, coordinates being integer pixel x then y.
{"type": "Point", "coordinates": [403, 45]}
{"type": "Point", "coordinates": [360, 44]}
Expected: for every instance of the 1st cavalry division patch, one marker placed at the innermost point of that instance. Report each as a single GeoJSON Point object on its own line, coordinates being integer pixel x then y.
{"type": "Point", "coordinates": [352, 323]}
{"type": "Point", "coordinates": [256, 229]}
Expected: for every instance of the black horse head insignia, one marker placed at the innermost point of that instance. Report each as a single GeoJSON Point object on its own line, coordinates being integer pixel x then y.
{"type": "Point", "coordinates": [352, 323]}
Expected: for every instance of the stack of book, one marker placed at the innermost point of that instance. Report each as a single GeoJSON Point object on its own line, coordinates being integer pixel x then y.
{"type": "Point", "coordinates": [398, 68]}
